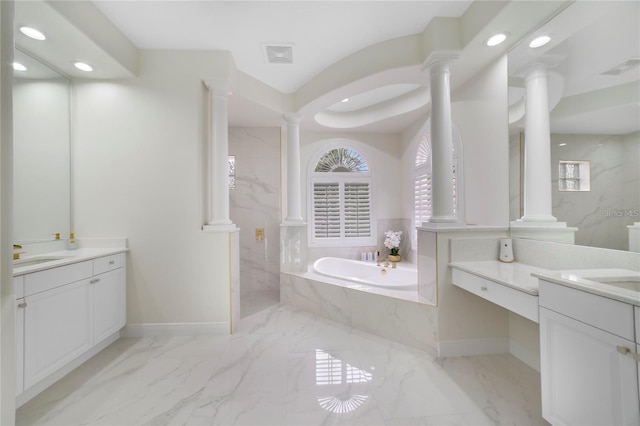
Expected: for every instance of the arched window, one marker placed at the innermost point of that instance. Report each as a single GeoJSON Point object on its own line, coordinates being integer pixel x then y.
{"type": "Point", "coordinates": [340, 201]}
{"type": "Point", "coordinates": [422, 205]}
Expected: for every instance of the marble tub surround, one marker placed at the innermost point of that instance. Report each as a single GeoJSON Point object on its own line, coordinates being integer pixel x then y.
{"type": "Point", "coordinates": [397, 315]}
{"type": "Point", "coordinates": [270, 372]}
{"type": "Point", "coordinates": [594, 281]}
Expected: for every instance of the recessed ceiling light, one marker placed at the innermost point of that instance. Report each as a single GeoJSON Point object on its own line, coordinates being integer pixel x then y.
{"type": "Point", "coordinates": [562, 144]}
{"type": "Point", "coordinates": [539, 41]}
{"type": "Point", "coordinates": [83, 67]}
{"type": "Point", "coordinates": [496, 39]}
{"type": "Point", "coordinates": [33, 33]}
{"type": "Point", "coordinates": [345, 100]}
{"type": "Point", "coordinates": [17, 66]}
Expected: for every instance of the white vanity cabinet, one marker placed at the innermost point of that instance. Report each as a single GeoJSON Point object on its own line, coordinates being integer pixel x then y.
{"type": "Point", "coordinates": [66, 315]}
{"type": "Point", "coordinates": [108, 296]}
{"type": "Point", "coordinates": [57, 329]}
{"type": "Point", "coordinates": [589, 371]}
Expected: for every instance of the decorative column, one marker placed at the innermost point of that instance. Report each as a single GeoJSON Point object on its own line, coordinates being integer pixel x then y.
{"type": "Point", "coordinates": [293, 168]}
{"type": "Point", "coordinates": [218, 157]}
{"type": "Point", "coordinates": [538, 221]}
{"type": "Point", "coordinates": [441, 139]}
{"type": "Point", "coordinates": [293, 231]}
{"type": "Point", "coordinates": [537, 148]}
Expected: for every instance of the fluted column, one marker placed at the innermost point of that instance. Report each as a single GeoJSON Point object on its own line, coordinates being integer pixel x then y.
{"type": "Point", "coordinates": [441, 140]}
{"type": "Point", "coordinates": [218, 157]}
{"type": "Point", "coordinates": [294, 211]}
{"type": "Point", "coordinates": [537, 148]}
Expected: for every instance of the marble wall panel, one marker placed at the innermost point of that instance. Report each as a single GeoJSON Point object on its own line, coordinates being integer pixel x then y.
{"type": "Point", "coordinates": [255, 203]}
{"type": "Point", "coordinates": [601, 214]}
{"type": "Point", "coordinates": [293, 248]}
{"type": "Point", "coordinates": [596, 213]}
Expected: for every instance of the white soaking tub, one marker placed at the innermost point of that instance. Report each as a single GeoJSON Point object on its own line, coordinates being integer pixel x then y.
{"type": "Point", "coordinates": [402, 277]}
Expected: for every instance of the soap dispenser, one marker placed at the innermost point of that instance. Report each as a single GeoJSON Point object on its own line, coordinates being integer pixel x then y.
{"type": "Point", "coordinates": [72, 244]}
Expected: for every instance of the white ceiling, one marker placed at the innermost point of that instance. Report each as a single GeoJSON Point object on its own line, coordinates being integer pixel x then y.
{"type": "Point", "coordinates": [321, 32]}
{"type": "Point", "coordinates": [588, 38]}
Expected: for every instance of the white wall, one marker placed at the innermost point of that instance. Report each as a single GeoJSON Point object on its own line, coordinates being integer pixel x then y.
{"type": "Point", "coordinates": [480, 112]}
{"type": "Point", "coordinates": [138, 173]}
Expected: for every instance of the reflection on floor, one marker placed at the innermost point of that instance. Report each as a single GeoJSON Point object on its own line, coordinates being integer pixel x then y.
{"type": "Point", "coordinates": [286, 367]}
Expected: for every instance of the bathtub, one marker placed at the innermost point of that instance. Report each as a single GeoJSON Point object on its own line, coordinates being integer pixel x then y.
{"type": "Point", "coordinates": [403, 277]}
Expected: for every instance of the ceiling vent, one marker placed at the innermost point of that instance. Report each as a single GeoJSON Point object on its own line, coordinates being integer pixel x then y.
{"type": "Point", "coordinates": [623, 67]}
{"type": "Point", "coordinates": [279, 54]}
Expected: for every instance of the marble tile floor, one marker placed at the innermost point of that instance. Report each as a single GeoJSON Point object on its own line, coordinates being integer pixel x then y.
{"type": "Point", "coordinates": [286, 367]}
{"type": "Point", "coordinates": [257, 300]}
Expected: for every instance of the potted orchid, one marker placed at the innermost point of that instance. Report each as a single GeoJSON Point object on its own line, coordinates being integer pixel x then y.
{"type": "Point", "coordinates": [392, 242]}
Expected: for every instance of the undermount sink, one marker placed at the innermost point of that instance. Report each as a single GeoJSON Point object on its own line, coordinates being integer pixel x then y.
{"type": "Point", "coordinates": [628, 282]}
{"type": "Point", "coordinates": [36, 260]}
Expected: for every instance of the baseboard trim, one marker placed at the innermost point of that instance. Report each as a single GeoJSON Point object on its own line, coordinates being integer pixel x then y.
{"type": "Point", "coordinates": [473, 347]}
{"type": "Point", "coordinates": [532, 359]}
{"type": "Point", "coordinates": [176, 329]}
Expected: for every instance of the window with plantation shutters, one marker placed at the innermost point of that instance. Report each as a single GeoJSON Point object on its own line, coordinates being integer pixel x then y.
{"type": "Point", "coordinates": [341, 199]}
{"type": "Point", "coordinates": [326, 209]}
{"type": "Point", "coordinates": [422, 206]}
{"type": "Point", "coordinates": [357, 210]}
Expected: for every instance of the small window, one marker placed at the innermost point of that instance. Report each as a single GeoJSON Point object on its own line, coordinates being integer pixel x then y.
{"type": "Point", "coordinates": [574, 176]}
{"type": "Point", "coordinates": [341, 198]}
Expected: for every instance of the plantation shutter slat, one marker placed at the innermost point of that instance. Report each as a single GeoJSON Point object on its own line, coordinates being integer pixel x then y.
{"type": "Point", "coordinates": [357, 210]}
{"type": "Point", "coordinates": [326, 210]}
{"type": "Point", "coordinates": [422, 200]}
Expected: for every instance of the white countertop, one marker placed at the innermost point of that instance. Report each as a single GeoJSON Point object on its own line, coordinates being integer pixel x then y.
{"type": "Point", "coordinates": [67, 257]}
{"type": "Point", "coordinates": [515, 275]}
{"type": "Point", "coordinates": [579, 279]}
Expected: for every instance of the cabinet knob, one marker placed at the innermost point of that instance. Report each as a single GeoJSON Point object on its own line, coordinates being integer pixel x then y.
{"type": "Point", "coordinates": [483, 288]}
{"type": "Point", "coordinates": [112, 262]}
{"type": "Point", "coordinates": [623, 350]}
{"type": "Point", "coordinates": [22, 305]}
{"type": "Point", "coordinates": [94, 281]}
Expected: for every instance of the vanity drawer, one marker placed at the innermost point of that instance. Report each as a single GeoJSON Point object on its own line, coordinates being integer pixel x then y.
{"type": "Point", "coordinates": [517, 301]}
{"type": "Point", "coordinates": [18, 286]}
{"type": "Point", "coordinates": [109, 263]}
{"type": "Point", "coordinates": [38, 282]}
{"type": "Point", "coordinates": [606, 314]}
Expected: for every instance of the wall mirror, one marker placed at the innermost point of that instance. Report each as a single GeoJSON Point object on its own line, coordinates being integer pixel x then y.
{"type": "Point", "coordinates": [594, 97]}
{"type": "Point", "coordinates": [41, 153]}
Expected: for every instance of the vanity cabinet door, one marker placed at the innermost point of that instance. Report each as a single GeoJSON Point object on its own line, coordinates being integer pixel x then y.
{"type": "Point", "coordinates": [57, 329]}
{"type": "Point", "coordinates": [109, 303]}
{"type": "Point", "coordinates": [587, 375]}
{"type": "Point", "coordinates": [20, 307]}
